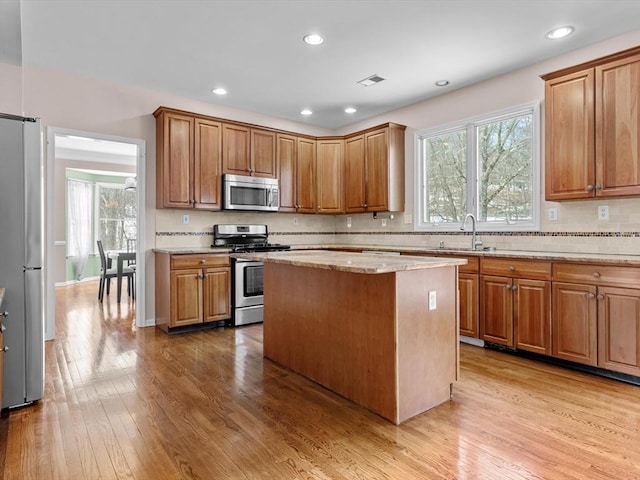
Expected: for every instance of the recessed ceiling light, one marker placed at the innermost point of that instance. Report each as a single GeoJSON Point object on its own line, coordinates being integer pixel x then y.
{"type": "Point", "coordinates": [350, 110]}
{"type": "Point", "coordinates": [371, 80]}
{"type": "Point", "coordinates": [306, 111]}
{"type": "Point", "coordinates": [442, 83]}
{"type": "Point", "coordinates": [219, 91]}
{"type": "Point", "coordinates": [559, 32]}
{"type": "Point", "coordinates": [313, 39]}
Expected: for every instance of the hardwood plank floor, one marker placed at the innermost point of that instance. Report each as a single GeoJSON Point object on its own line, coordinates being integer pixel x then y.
{"type": "Point", "coordinates": [122, 402]}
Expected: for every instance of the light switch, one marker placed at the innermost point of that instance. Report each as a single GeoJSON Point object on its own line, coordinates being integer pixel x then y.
{"type": "Point", "coordinates": [432, 300]}
{"type": "Point", "coordinates": [553, 214]}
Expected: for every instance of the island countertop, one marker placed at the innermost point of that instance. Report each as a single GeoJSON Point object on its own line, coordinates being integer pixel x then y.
{"type": "Point", "coordinates": [351, 261]}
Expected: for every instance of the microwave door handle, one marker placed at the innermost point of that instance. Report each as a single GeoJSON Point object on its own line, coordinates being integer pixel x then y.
{"type": "Point", "coordinates": [268, 197]}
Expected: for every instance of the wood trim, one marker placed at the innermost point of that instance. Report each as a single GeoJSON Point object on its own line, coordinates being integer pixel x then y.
{"type": "Point", "coordinates": [592, 63]}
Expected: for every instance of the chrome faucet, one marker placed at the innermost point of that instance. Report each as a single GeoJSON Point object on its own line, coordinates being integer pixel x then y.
{"type": "Point", "coordinates": [474, 243]}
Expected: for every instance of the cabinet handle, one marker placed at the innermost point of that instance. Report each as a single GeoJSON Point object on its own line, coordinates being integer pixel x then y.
{"type": "Point", "coordinates": [4, 349]}
{"type": "Point", "coordinates": [590, 188]}
{"type": "Point", "coordinates": [512, 268]}
{"type": "Point", "coordinates": [600, 297]}
{"type": "Point", "coordinates": [203, 261]}
{"type": "Point", "coordinates": [4, 314]}
{"type": "Point", "coordinates": [598, 186]}
{"type": "Point", "coordinates": [590, 296]}
{"type": "Point", "coordinates": [2, 328]}
{"type": "Point", "coordinates": [366, 206]}
{"type": "Point", "coordinates": [596, 274]}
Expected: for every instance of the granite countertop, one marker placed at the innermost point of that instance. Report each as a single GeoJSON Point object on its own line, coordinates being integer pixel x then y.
{"type": "Point", "coordinates": [601, 258]}
{"type": "Point", "coordinates": [352, 262]}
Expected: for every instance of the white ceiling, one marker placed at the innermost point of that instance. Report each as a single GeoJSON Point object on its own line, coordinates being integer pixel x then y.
{"type": "Point", "coordinates": [254, 48]}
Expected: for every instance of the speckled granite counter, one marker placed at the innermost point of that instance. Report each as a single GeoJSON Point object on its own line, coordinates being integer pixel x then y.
{"type": "Point", "coordinates": [352, 262]}
{"type": "Point", "coordinates": [600, 258]}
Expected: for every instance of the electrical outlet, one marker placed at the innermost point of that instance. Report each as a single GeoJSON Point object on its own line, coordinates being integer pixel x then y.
{"type": "Point", "coordinates": [553, 214]}
{"type": "Point", "coordinates": [348, 222]}
{"type": "Point", "coordinates": [295, 220]}
{"type": "Point", "coordinates": [432, 300]}
{"type": "Point", "coordinates": [185, 219]}
{"type": "Point", "coordinates": [384, 222]}
{"type": "Point", "coordinates": [603, 212]}
{"type": "Point", "coordinates": [407, 219]}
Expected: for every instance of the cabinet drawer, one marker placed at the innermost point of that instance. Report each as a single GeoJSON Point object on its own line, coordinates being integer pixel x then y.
{"type": "Point", "coordinates": [505, 267]}
{"type": "Point", "coordinates": [472, 265]}
{"type": "Point", "coordinates": [197, 261]}
{"type": "Point", "coordinates": [596, 275]}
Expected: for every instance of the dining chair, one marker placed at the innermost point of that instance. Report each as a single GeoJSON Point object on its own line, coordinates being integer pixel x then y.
{"type": "Point", "coordinates": [107, 273]}
{"type": "Point", "coordinates": [131, 247]}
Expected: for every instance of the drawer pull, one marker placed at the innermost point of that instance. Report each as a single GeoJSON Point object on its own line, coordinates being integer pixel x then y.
{"type": "Point", "coordinates": [203, 261]}
{"type": "Point", "coordinates": [512, 268]}
{"type": "Point", "coordinates": [596, 274]}
{"type": "Point", "coordinates": [590, 296]}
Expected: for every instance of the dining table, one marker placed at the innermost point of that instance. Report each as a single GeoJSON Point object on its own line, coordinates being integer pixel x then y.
{"type": "Point", "coordinates": [120, 257]}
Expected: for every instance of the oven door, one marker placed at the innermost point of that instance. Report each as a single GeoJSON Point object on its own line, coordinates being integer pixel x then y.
{"type": "Point", "coordinates": [248, 283]}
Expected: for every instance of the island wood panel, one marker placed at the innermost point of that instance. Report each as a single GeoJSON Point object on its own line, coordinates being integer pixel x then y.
{"type": "Point", "coordinates": [427, 340]}
{"type": "Point", "coordinates": [341, 329]}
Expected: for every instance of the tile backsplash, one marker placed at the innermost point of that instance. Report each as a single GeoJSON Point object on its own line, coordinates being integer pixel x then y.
{"type": "Point", "coordinates": [577, 229]}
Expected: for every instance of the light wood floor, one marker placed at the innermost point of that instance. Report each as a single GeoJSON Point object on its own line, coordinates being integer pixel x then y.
{"type": "Point", "coordinates": [127, 403]}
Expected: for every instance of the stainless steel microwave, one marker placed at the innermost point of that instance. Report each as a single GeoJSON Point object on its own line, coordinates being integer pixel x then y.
{"type": "Point", "coordinates": [240, 192]}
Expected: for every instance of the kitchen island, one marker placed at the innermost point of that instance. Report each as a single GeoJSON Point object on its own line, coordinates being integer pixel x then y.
{"type": "Point", "coordinates": [379, 330]}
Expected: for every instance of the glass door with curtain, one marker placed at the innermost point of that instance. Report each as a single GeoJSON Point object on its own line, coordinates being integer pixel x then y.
{"type": "Point", "coordinates": [79, 224]}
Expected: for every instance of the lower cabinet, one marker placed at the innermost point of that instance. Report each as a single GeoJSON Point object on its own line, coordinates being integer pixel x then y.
{"type": "Point", "coordinates": [515, 303]}
{"type": "Point", "coordinates": [596, 316]}
{"type": "Point", "coordinates": [192, 289]}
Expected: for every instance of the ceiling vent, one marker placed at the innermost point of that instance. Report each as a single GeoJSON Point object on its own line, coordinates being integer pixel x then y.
{"type": "Point", "coordinates": [372, 80]}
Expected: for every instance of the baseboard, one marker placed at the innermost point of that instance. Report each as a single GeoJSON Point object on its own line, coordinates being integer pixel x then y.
{"type": "Point", "coordinates": [73, 282]}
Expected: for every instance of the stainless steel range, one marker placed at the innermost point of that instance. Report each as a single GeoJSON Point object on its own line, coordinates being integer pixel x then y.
{"type": "Point", "coordinates": [246, 275]}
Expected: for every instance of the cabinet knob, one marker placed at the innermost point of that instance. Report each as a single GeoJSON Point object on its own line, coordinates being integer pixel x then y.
{"type": "Point", "coordinates": [193, 201]}
{"type": "Point", "coordinates": [598, 186]}
{"type": "Point", "coordinates": [590, 296]}
{"type": "Point", "coordinates": [366, 206]}
{"type": "Point", "coordinates": [512, 268]}
{"type": "Point", "coordinates": [514, 288]}
{"type": "Point", "coordinates": [4, 314]}
{"type": "Point", "coordinates": [596, 274]}
{"type": "Point", "coordinates": [2, 328]}
{"type": "Point", "coordinates": [4, 349]}
{"type": "Point", "coordinates": [508, 287]}
{"type": "Point", "coordinates": [203, 261]}
{"type": "Point", "coordinates": [600, 297]}
{"type": "Point", "coordinates": [590, 188]}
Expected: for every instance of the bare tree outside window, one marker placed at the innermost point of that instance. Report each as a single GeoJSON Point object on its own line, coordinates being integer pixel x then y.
{"type": "Point", "coordinates": [484, 167]}
{"type": "Point", "coordinates": [116, 216]}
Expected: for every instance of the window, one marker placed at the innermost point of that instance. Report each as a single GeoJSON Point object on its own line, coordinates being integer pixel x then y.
{"type": "Point", "coordinates": [115, 215]}
{"type": "Point", "coordinates": [487, 166]}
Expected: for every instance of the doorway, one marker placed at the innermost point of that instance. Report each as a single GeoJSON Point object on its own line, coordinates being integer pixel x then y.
{"type": "Point", "coordinates": [90, 151]}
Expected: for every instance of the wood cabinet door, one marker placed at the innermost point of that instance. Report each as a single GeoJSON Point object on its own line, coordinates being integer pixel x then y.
{"type": "Point", "coordinates": [207, 183]}
{"type": "Point", "coordinates": [175, 160]}
{"type": "Point", "coordinates": [217, 294]}
{"type": "Point", "coordinates": [263, 153]}
{"type": "Point", "coordinates": [618, 128]}
{"type": "Point", "coordinates": [532, 315]}
{"type": "Point", "coordinates": [574, 326]}
{"type": "Point", "coordinates": [329, 176]}
{"type": "Point", "coordinates": [286, 153]}
{"type": "Point", "coordinates": [569, 137]}
{"type": "Point", "coordinates": [496, 310]}
{"type": "Point", "coordinates": [236, 157]}
{"type": "Point", "coordinates": [619, 329]}
{"type": "Point", "coordinates": [376, 170]}
{"type": "Point", "coordinates": [469, 321]}
{"type": "Point", "coordinates": [354, 170]}
{"type": "Point", "coordinates": [305, 176]}
{"type": "Point", "coordinates": [186, 297]}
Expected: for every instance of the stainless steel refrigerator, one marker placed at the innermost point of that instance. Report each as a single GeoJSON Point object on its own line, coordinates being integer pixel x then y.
{"type": "Point", "coordinates": [21, 258]}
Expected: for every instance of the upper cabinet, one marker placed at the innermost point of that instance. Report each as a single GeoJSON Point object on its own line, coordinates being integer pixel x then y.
{"type": "Point", "coordinates": [248, 151]}
{"type": "Point", "coordinates": [592, 117]}
{"type": "Point", "coordinates": [330, 176]}
{"type": "Point", "coordinates": [188, 156]}
{"type": "Point", "coordinates": [374, 170]}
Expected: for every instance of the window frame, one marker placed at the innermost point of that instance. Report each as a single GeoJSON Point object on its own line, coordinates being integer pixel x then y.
{"type": "Point", "coordinates": [470, 125]}
{"type": "Point", "coordinates": [96, 207]}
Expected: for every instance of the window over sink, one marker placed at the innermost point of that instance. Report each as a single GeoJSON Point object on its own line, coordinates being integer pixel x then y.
{"type": "Point", "coordinates": [488, 166]}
